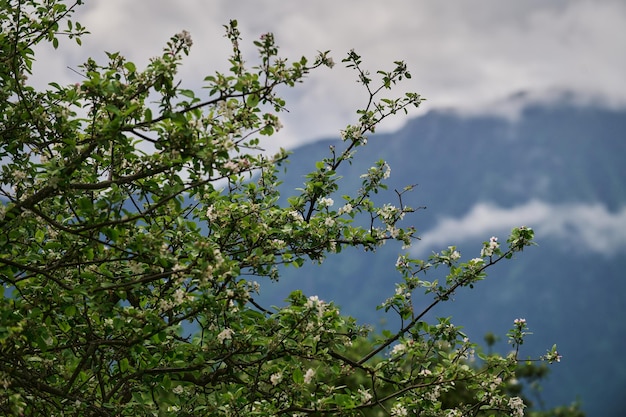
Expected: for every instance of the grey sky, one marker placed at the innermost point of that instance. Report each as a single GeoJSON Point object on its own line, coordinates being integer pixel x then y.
{"type": "Point", "coordinates": [464, 54]}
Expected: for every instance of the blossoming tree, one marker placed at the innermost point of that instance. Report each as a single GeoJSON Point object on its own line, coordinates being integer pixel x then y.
{"type": "Point", "coordinates": [134, 236]}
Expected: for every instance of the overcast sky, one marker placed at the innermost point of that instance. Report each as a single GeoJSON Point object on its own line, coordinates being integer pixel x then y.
{"type": "Point", "coordinates": [468, 55]}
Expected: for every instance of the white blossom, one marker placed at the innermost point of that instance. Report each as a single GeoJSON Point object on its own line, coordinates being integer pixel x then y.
{"type": "Point", "coordinates": [326, 202]}
{"type": "Point", "coordinates": [398, 410]}
{"type": "Point", "coordinates": [516, 404]}
{"type": "Point", "coordinates": [135, 267]}
{"type": "Point", "coordinates": [490, 247]}
{"type": "Point", "coordinates": [312, 301]}
{"type": "Point", "coordinates": [495, 384]}
{"type": "Point", "coordinates": [365, 395]}
{"type": "Point", "coordinates": [398, 349]}
{"type": "Point", "coordinates": [165, 305]}
{"type": "Point", "coordinates": [347, 208]}
{"type": "Point", "coordinates": [296, 215]}
{"type": "Point", "coordinates": [185, 36]}
{"type": "Point", "coordinates": [315, 302]}
{"type": "Point", "coordinates": [455, 255]}
{"type": "Point", "coordinates": [225, 334]}
{"type": "Point", "coordinates": [211, 213]}
{"type": "Point", "coordinates": [433, 393]}
{"type": "Point", "coordinates": [273, 121]}
{"type": "Point", "coordinates": [275, 378]}
{"type": "Point", "coordinates": [279, 243]}
{"type": "Point", "coordinates": [308, 376]}
{"type": "Point", "coordinates": [231, 165]}
{"type": "Point", "coordinates": [387, 169]}
{"type": "Point", "coordinates": [179, 296]}
{"type": "Point", "coordinates": [326, 60]}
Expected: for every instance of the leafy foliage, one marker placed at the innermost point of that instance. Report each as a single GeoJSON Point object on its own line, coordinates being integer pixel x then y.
{"type": "Point", "coordinates": [133, 236]}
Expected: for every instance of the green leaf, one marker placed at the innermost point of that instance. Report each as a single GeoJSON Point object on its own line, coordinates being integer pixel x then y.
{"type": "Point", "coordinates": [124, 364]}
{"type": "Point", "coordinates": [187, 93]}
{"type": "Point", "coordinates": [70, 310]}
{"type": "Point", "coordinates": [130, 67]}
{"type": "Point", "coordinates": [297, 376]}
{"type": "Point", "coordinates": [39, 236]}
{"type": "Point", "coordinates": [252, 100]}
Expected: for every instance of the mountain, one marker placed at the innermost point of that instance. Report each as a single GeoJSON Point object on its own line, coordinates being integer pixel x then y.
{"type": "Point", "coordinates": [557, 168]}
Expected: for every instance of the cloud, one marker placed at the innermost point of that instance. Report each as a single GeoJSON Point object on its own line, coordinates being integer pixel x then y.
{"type": "Point", "coordinates": [464, 54]}
{"type": "Point", "coordinates": [579, 227]}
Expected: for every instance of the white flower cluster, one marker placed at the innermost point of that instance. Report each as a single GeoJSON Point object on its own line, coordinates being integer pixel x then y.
{"type": "Point", "coordinates": [325, 202]}
{"type": "Point", "coordinates": [197, 124]}
{"type": "Point", "coordinates": [324, 59]}
{"type": "Point", "coordinates": [211, 213]}
{"type": "Point", "coordinates": [225, 334]}
{"type": "Point", "coordinates": [226, 108]}
{"type": "Point", "coordinates": [447, 329]}
{"type": "Point", "coordinates": [374, 173]}
{"type": "Point", "coordinates": [390, 214]}
{"type": "Point", "coordinates": [398, 349]}
{"type": "Point", "coordinates": [433, 393]}
{"type": "Point", "coordinates": [308, 376]}
{"type": "Point", "coordinates": [273, 121]}
{"type": "Point", "coordinates": [398, 410]}
{"type": "Point", "coordinates": [237, 165]}
{"type": "Point", "coordinates": [552, 356]}
{"type": "Point", "coordinates": [387, 169]}
{"type": "Point", "coordinates": [365, 395]}
{"type": "Point", "coordinates": [275, 378]}
{"type": "Point", "coordinates": [353, 133]}
{"type": "Point", "coordinates": [347, 208]}
{"type": "Point", "coordinates": [494, 385]}
{"type": "Point", "coordinates": [402, 261]}
{"type": "Point", "coordinates": [402, 291]}
{"type": "Point", "coordinates": [296, 215]}
{"type": "Point", "coordinates": [490, 247]}
{"type": "Point", "coordinates": [476, 262]}
{"type": "Point", "coordinates": [315, 303]}
{"type": "Point", "coordinates": [185, 36]}
{"type": "Point", "coordinates": [19, 175]}
{"type": "Point", "coordinates": [516, 404]}
{"type": "Point", "coordinates": [178, 298]}
{"type": "Point", "coordinates": [467, 352]}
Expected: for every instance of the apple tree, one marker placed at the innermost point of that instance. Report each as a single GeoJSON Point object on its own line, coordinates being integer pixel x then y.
{"type": "Point", "coordinates": [140, 220]}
